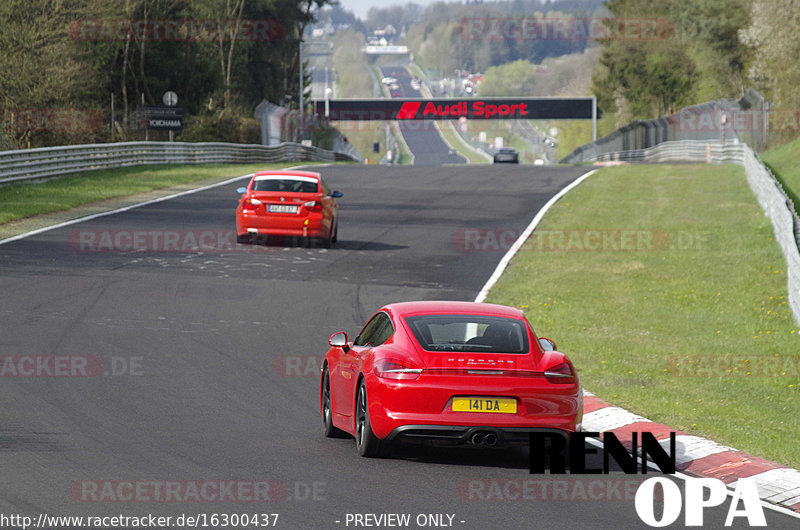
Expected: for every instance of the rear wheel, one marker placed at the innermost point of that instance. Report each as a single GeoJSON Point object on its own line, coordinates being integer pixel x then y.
{"type": "Point", "coordinates": [326, 411]}
{"type": "Point", "coordinates": [245, 238]}
{"type": "Point", "coordinates": [367, 443]}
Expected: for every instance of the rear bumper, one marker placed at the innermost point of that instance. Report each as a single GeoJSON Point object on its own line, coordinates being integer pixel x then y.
{"type": "Point", "coordinates": [282, 226]}
{"type": "Point", "coordinates": [467, 435]}
{"type": "Point", "coordinates": [425, 406]}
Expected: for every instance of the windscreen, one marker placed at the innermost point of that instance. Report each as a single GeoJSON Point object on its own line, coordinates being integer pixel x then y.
{"type": "Point", "coordinates": [469, 333]}
{"type": "Point", "coordinates": [286, 184]}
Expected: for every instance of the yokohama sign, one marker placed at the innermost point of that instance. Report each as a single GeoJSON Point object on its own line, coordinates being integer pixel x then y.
{"type": "Point", "coordinates": [469, 108]}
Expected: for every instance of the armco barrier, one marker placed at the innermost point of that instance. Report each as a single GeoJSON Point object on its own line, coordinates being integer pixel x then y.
{"type": "Point", "coordinates": [27, 164]}
{"type": "Point", "coordinates": [712, 151]}
{"type": "Point", "coordinates": [768, 191]}
{"type": "Point", "coordinates": [745, 119]}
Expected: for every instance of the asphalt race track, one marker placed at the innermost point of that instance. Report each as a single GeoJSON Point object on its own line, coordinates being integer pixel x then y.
{"type": "Point", "coordinates": [422, 137]}
{"type": "Point", "coordinates": [205, 362]}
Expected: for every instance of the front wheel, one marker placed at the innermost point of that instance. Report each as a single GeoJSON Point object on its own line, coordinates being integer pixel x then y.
{"type": "Point", "coordinates": [367, 443]}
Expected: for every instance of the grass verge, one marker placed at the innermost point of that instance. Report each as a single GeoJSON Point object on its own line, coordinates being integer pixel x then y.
{"type": "Point", "coordinates": [784, 161]}
{"type": "Point", "coordinates": [25, 199]}
{"type": "Point", "coordinates": [683, 319]}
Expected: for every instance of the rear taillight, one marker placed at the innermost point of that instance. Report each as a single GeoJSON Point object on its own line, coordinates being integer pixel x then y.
{"type": "Point", "coordinates": [250, 204]}
{"type": "Point", "coordinates": [313, 205]}
{"type": "Point", "coordinates": [392, 369]}
{"type": "Point", "coordinates": [561, 374]}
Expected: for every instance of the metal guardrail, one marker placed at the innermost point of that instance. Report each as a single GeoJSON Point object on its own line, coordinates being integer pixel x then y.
{"type": "Point", "coordinates": [785, 222]}
{"type": "Point", "coordinates": [26, 164]}
{"type": "Point", "coordinates": [711, 151]}
{"type": "Point", "coordinates": [768, 191]}
{"type": "Point", "coordinates": [744, 119]}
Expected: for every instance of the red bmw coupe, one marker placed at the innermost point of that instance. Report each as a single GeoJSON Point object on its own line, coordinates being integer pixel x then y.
{"type": "Point", "coordinates": [288, 203]}
{"type": "Point", "coordinates": [446, 372]}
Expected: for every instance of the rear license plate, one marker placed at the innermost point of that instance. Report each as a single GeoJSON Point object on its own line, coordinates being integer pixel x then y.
{"type": "Point", "coordinates": [484, 404]}
{"type": "Point", "coordinates": [282, 208]}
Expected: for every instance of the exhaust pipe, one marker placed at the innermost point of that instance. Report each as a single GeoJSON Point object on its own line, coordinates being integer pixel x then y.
{"type": "Point", "coordinates": [484, 438]}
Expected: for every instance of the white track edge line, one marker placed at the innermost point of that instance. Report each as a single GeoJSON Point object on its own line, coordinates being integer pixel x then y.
{"type": "Point", "coordinates": [501, 267]}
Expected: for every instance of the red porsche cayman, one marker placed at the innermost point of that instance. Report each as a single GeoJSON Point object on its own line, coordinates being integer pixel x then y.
{"type": "Point", "coordinates": [288, 203]}
{"type": "Point", "coordinates": [447, 372]}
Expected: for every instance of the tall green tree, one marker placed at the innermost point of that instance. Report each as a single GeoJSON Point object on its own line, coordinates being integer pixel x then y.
{"type": "Point", "coordinates": [511, 79]}
{"type": "Point", "coordinates": [773, 37]}
{"type": "Point", "coordinates": [44, 71]}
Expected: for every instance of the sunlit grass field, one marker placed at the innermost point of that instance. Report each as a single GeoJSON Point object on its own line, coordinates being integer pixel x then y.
{"type": "Point", "coordinates": [25, 199]}
{"type": "Point", "coordinates": [665, 286]}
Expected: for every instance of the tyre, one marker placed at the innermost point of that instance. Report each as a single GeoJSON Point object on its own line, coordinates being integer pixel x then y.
{"type": "Point", "coordinates": [335, 232]}
{"type": "Point", "coordinates": [325, 408]}
{"type": "Point", "coordinates": [245, 238]}
{"type": "Point", "coordinates": [367, 443]}
{"type": "Point", "coordinates": [331, 239]}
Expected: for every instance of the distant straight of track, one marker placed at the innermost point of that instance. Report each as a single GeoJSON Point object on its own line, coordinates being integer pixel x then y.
{"type": "Point", "coordinates": [152, 366]}
{"type": "Point", "coordinates": [422, 137]}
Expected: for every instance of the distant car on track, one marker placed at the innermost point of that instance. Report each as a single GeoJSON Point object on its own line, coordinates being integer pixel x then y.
{"type": "Point", "coordinates": [506, 154]}
{"type": "Point", "coordinates": [446, 372]}
{"type": "Point", "coordinates": [288, 203]}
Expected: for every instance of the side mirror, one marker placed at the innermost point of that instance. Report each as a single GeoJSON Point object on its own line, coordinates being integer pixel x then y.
{"type": "Point", "coordinates": [336, 194]}
{"type": "Point", "coordinates": [547, 344]}
{"type": "Point", "coordinates": [241, 190]}
{"type": "Point", "coordinates": [338, 340]}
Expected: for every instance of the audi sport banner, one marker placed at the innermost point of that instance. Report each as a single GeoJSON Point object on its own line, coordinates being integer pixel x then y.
{"type": "Point", "coordinates": [448, 109]}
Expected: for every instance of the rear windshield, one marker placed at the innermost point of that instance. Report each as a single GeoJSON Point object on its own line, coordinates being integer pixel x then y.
{"type": "Point", "coordinates": [286, 184]}
{"type": "Point", "coordinates": [469, 333]}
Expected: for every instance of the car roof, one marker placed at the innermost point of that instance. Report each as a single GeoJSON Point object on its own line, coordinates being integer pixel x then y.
{"type": "Point", "coordinates": [279, 172]}
{"type": "Point", "coordinates": [447, 307]}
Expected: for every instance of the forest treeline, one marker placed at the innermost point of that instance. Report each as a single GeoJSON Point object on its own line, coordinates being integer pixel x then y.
{"type": "Point", "coordinates": [64, 60]}
{"type": "Point", "coordinates": [655, 57]}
